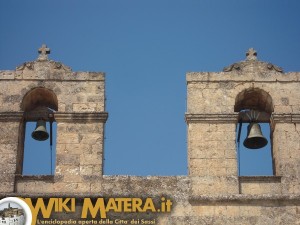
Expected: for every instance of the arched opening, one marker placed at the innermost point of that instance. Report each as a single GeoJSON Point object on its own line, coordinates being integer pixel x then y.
{"type": "Point", "coordinates": [37, 136]}
{"type": "Point", "coordinates": [254, 98]}
{"type": "Point", "coordinates": [39, 97]}
{"type": "Point", "coordinates": [254, 133]}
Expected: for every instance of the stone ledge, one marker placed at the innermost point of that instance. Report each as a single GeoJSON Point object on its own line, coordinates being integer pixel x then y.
{"type": "Point", "coordinates": [59, 116]}
{"type": "Point", "coordinates": [260, 179]}
{"type": "Point", "coordinates": [82, 117]}
{"type": "Point", "coordinates": [212, 118]}
{"type": "Point", "coordinates": [45, 178]}
{"type": "Point", "coordinates": [246, 76]}
{"type": "Point", "coordinates": [240, 198]}
{"type": "Point", "coordinates": [234, 117]}
{"type": "Point", "coordinates": [11, 116]}
{"type": "Point", "coordinates": [286, 118]}
{"type": "Point", "coordinates": [7, 75]}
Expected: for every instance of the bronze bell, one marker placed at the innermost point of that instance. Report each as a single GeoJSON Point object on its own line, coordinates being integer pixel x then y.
{"type": "Point", "coordinates": [40, 133]}
{"type": "Point", "coordinates": [255, 138]}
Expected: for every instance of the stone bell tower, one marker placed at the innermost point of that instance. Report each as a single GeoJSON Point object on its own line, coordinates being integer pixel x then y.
{"type": "Point", "coordinates": [215, 105]}
{"type": "Point", "coordinates": [47, 90]}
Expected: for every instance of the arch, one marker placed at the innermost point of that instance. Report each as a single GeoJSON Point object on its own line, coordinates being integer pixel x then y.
{"type": "Point", "coordinates": [37, 103]}
{"type": "Point", "coordinates": [254, 98]}
{"type": "Point", "coordinates": [37, 97]}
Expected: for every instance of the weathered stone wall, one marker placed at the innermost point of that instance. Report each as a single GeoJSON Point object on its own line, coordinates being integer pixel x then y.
{"type": "Point", "coordinates": [81, 95]}
{"type": "Point", "coordinates": [213, 104]}
{"type": "Point", "coordinates": [212, 125]}
{"type": "Point", "coordinates": [80, 121]}
{"type": "Point", "coordinates": [212, 193]}
{"type": "Point", "coordinates": [213, 93]}
{"type": "Point", "coordinates": [8, 151]}
{"type": "Point", "coordinates": [188, 208]}
{"type": "Point", "coordinates": [287, 155]}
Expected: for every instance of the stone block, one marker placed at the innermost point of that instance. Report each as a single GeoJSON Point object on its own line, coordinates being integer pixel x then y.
{"type": "Point", "coordinates": [62, 169]}
{"type": "Point", "coordinates": [9, 132]}
{"type": "Point", "coordinates": [231, 171]}
{"type": "Point", "coordinates": [71, 178]}
{"type": "Point", "coordinates": [68, 159]}
{"type": "Point", "coordinates": [7, 74]}
{"type": "Point", "coordinates": [7, 187]}
{"type": "Point", "coordinates": [65, 187]}
{"type": "Point", "coordinates": [8, 159]}
{"type": "Point", "coordinates": [96, 187]}
{"type": "Point", "coordinates": [204, 210]}
{"type": "Point", "coordinates": [34, 187]}
{"type": "Point", "coordinates": [90, 159]}
{"type": "Point", "coordinates": [84, 107]}
{"type": "Point", "coordinates": [92, 138]}
{"type": "Point", "coordinates": [214, 185]}
{"type": "Point", "coordinates": [230, 153]}
{"type": "Point", "coordinates": [83, 128]}
{"type": "Point", "coordinates": [232, 210]}
{"type": "Point", "coordinates": [67, 138]}
{"type": "Point", "coordinates": [72, 187]}
{"type": "Point", "coordinates": [86, 169]}
{"type": "Point", "coordinates": [8, 168]}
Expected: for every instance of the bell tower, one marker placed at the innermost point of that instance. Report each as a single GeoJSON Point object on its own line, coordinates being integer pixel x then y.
{"type": "Point", "coordinates": [250, 91]}
{"type": "Point", "coordinates": [48, 91]}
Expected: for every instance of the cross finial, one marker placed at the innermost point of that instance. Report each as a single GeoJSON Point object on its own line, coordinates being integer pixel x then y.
{"type": "Point", "coordinates": [44, 51]}
{"type": "Point", "coordinates": [251, 54]}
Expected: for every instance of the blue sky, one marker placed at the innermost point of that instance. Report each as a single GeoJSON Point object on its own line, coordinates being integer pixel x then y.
{"type": "Point", "coordinates": [146, 48]}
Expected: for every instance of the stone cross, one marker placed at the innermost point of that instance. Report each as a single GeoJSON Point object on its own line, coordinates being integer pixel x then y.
{"type": "Point", "coordinates": [251, 54]}
{"type": "Point", "coordinates": [44, 51]}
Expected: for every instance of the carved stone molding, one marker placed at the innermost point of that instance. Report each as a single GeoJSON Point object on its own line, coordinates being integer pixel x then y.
{"type": "Point", "coordinates": [260, 179]}
{"type": "Point", "coordinates": [234, 118]}
{"type": "Point", "coordinates": [81, 117]}
{"type": "Point", "coordinates": [262, 65]}
{"type": "Point", "coordinates": [286, 118]}
{"type": "Point", "coordinates": [59, 66]}
{"type": "Point", "coordinates": [35, 64]}
{"type": "Point", "coordinates": [212, 118]}
{"type": "Point", "coordinates": [58, 116]}
{"type": "Point", "coordinates": [28, 65]}
{"type": "Point", "coordinates": [251, 61]}
{"type": "Point", "coordinates": [238, 198]}
{"type": "Point", "coordinates": [11, 116]}
{"type": "Point", "coordinates": [271, 66]}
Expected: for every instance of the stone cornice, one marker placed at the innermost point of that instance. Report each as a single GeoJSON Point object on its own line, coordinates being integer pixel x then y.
{"type": "Point", "coordinates": [286, 118]}
{"type": "Point", "coordinates": [236, 77]}
{"type": "Point", "coordinates": [240, 198]}
{"type": "Point", "coordinates": [11, 116]}
{"type": "Point", "coordinates": [82, 117]}
{"type": "Point", "coordinates": [233, 118]}
{"type": "Point", "coordinates": [51, 75]}
{"type": "Point", "coordinates": [260, 179]}
{"type": "Point", "coordinates": [212, 118]}
{"type": "Point", "coordinates": [59, 116]}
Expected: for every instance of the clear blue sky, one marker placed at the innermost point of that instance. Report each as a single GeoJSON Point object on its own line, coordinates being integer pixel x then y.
{"type": "Point", "coordinates": [146, 48]}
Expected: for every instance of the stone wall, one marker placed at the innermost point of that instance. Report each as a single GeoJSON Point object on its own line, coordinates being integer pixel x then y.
{"type": "Point", "coordinates": [212, 193]}
{"type": "Point", "coordinates": [212, 122]}
{"type": "Point", "coordinates": [8, 150]}
{"type": "Point", "coordinates": [79, 102]}
{"type": "Point", "coordinates": [189, 208]}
